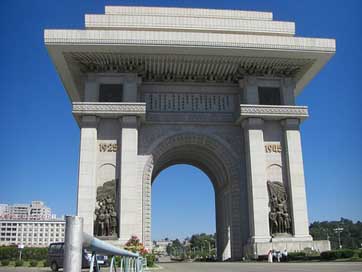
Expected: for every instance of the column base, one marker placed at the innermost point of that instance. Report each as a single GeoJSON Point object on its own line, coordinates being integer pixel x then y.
{"type": "Point", "coordinates": [259, 239]}
{"type": "Point", "coordinates": [291, 244]}
{"type": "Point", "coordinates": [304, 238]}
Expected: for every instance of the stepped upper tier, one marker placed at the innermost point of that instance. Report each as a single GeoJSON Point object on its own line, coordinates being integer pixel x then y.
{"type": "Point", "coordinates": [182, 44]}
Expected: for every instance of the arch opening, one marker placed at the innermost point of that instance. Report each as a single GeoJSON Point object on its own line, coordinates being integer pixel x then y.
{"type": "Point", "coordinates": [211, 158]}
{"type": "Point", "coordinates": [190, 209]}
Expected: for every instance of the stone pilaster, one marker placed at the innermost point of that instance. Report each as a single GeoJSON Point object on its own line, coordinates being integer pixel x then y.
{"type": "Point", "coordinates": [256, 180]}
{"type": "Point", "coordinates": [250, 90]}
{"type": "Point", "coordinates": [87, 172]}
{"type": "Point", "coordinates": [130, 197]}
{"type": "Point", "coordinates": [287, 91]}
{"type": "Point", "coordinates": [130, 88]}
{"type": "Point", "coordinates": [296, 183]}
{"type": "Point", "coordinates": [91, 90]}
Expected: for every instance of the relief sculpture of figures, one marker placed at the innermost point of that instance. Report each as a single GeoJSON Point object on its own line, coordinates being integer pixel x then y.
{"type": "Point", "coordinates": [106, 222]}
{"type": "Point", "coordinates": [279, 218]}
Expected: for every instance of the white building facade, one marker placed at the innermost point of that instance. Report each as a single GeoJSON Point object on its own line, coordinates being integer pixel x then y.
{"type": "Point", "coordinates": [154, 87]}
{"type": "Point", "coordinates": [160, 246]}
{"type": "Point", "coordinates": [37, 210]}
{"type": "Point", "coordinates": [31, 233]}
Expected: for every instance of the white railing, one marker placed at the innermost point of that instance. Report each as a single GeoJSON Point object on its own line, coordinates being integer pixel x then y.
{"type": "Point", "coordinates": [76, 240]}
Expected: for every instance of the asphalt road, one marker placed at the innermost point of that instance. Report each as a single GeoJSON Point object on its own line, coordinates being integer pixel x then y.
{"type": "Point", "coordinates": [234, 267]}
{"type": "Point", "coordinates": [262, 267]}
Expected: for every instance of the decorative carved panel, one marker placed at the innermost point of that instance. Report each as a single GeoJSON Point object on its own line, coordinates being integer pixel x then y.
{"type": "Point", "coordinates": [184, 102]}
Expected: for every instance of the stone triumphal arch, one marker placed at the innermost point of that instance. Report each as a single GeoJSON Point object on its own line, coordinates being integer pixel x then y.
{"type": "Point", "coordinates": [153, 87]}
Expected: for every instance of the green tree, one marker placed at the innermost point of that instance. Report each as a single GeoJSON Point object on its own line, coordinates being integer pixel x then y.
{"type": "Point", "coordinates": [350, 236]}
{"type": "Point", "coordinates": [203, 243]}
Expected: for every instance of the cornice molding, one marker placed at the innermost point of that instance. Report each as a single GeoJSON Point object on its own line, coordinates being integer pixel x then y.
{"type": "Point", "coordinates": [108, 110]}
{"type": "Point", "coordinates": [168, 68]}
{"type": "Point", "coordinates": [172, 38]}
{"type": "Point", "coordinates": [273, 112]}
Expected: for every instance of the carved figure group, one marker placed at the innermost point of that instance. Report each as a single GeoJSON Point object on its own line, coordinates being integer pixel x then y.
{"type": "Point", "coordinates": [279, 218]}
{"type": "Point", "coordinates": [106, 217]}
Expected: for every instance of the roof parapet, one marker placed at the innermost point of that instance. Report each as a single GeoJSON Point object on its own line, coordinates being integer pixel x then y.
{"type": "Point", "coordinates": [188, 12]}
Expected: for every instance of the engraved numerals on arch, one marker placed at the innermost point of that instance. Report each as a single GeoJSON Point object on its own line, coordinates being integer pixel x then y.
{"type": "Point", "coordinates": [273, 148]}
{"type": "Point", "coordinates": [108, 147]}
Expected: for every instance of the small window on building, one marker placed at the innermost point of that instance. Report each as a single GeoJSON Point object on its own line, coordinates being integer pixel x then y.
{"type": "Point", "coordinates": [269, 96]}
{"type": "Point", "coordinates": [110, 93]}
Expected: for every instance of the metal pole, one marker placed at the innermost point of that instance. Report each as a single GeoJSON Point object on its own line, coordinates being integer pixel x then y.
{"type": "Point", "coordinates": [111, 266]}
{"type": "Point", "coordinates": [121, 264]}
{"type": "Point", "coordinates": [92, 263]}
{"type": "Point", "coordinates": [209, 244]}
{"type": "Point", "coordinates": [73, 244]}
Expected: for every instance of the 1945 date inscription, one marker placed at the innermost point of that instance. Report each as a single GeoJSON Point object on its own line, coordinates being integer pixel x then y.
{"type": "Point", "coordinates": [273, 148]}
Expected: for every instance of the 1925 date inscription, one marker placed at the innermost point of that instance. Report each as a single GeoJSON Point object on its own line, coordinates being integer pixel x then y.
{"type": "Point", "coordinates": [108, 147]}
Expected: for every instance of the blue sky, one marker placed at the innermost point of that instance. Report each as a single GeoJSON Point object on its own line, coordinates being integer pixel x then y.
{"type": "Point", "coordinates": [39, 138]}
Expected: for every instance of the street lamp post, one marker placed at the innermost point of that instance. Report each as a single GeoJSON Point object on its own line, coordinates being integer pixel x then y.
{"type": "Point", "coordinates": [20, 247]}
{"type": "Point", "coordinates": [326, 231]}
{"type": "Point", "coordinates": [209, 246]}
{"type": "Point", "coordinates": [339, 230]}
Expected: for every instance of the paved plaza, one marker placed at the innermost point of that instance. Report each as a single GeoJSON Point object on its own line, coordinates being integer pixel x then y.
{"type": "Point", "coordinates": [231, 267]}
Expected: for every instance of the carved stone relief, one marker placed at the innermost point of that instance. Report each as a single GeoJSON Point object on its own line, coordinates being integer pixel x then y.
{"type": "Point", "coordinates": [279, 217]}
{"type": "Point", "coordinates": [106, 222]}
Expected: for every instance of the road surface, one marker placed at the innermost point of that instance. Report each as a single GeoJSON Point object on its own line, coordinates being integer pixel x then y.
{"type": "Point", "coordinates": [232, 267]}
{"type": "Point", "coordinates": [262, 267]}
